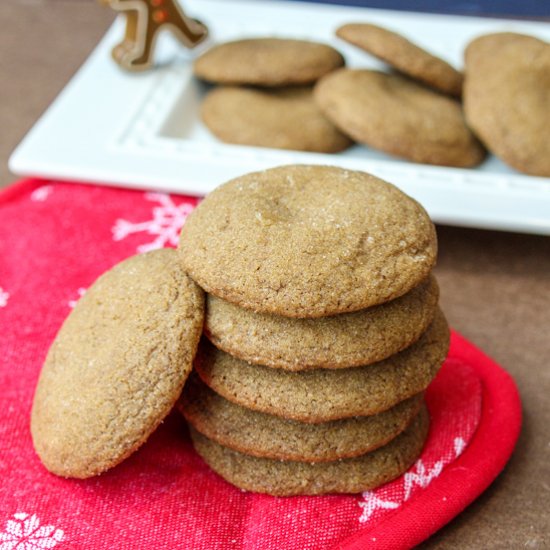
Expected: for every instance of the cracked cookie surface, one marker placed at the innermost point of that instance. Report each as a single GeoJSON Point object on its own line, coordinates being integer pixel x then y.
{"type": "Point", "coordinates": [117, 365]}
{"type": "Point", "coordinates": [308, 241]}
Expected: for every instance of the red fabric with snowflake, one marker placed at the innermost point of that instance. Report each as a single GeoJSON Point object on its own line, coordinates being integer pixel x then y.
{"type": "Point", "coordinates": [55, 240]}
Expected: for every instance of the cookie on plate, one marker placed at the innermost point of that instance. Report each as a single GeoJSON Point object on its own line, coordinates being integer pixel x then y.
{"type": "Point", "coordinates": [398, 116]}
{"type": "Point", "coordinates": [403, 55]}
{"type": "Point", "coordinates": [267, 62]}
{"type": "Point", "coordinates": [321, 395]}
{"type": "Point", "coordinates": [285, 478]}
{"type": "Point", "coordinates": [507, 98]}
{"type": "Point", "coordinates": [270, 436]}
{"type": "Point", "coordinates": [308, 241]}
{"type": "Point", "coordinates": [117, 366]}
{"type": "Point", "coordinates": [281, 118]}
{"type": "Point", "coordinates": [338, 341]}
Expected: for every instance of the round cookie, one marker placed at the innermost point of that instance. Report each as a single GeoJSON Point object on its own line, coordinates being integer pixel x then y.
{"type": "Point", "coordinates": [282, 118]}
{"type": "Point", "coordinates": [117, 365]}
{"type": "Point", "coordinates": [308, 241]}
{"type": "Point", "coordinates": [403, 55]}
{"type": "Point", "coordinates": [322, 395]}
{"type": "Point", "coordinates": [267, 62]}
{"type": "Point", "coordinates": [339, 341]}
{"type": "Point", "coordinates": [270, 436]}
{"type": "Point", "coordinates": [507, 98]}
{"type": "Point", "coordinates": [398, 116]}
{"type": "Point", "coordinates": [286, 478]}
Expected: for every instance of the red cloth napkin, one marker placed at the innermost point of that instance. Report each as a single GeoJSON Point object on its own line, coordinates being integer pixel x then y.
{"type": "Point", "coordinates": [55, 240]}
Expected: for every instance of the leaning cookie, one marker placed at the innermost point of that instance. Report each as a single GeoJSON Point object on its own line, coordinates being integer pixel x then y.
{"type": "Point", "coordinates": [308, 241]}
{"type": "Point", "coordinates": [507, 98]}
{"type": "Point", "coordinates": [286, 478]}
{"type": "Point", "coordinates": [322, 395]}
{"type": "Point", "coordinates": [338, 341]}
{"type": "Point", "coordinates": [267, 62]}
{"type": "Point", "coordinates": [403, 55]}
{"type": "Point", "coordinates": [281, 118]}
{"type": "Point", "coordinates": [117, 366]}
{"type": "Point", "coordinates": [398, 116]}
{"type": "Point", "coordinates": [270, 436]}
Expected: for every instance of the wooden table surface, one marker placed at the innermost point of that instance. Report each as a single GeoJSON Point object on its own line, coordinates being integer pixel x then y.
{"type": "Point", "coordinates": [495, 286]}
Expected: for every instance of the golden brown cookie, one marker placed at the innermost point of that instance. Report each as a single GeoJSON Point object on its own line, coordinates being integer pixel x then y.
{"type": "Point", "coordinates": [285, 478]}
{"type": "Point", "coordinates": [281, 118]}
{"type": "Point", "coordinates": [270, 436]}
{"type": "Point", "coordinates": [322, 395]}
{"type": "Point", "coordinates": [267, 62]}
{"type": "Point", "coordinates": [308, 241]}
{"type": "Point", "coordinates": [117, 366]}
{"type": "Point", "coordinates": [398, 116]}
{"type": "Point", "coordinates": [507, 98]}
{"type": "Point", "coordinates": [339, 341]}
{"type": "Point", "coordinates": [403, 55]}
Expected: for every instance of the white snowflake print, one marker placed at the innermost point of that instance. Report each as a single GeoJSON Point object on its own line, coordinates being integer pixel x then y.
{"type": "Point", "coordinates": [422, 476]}
{"type": "Point", "coordinates": [166, 223]}
{"type": "Point", "coordinates": [4, 296]}
{"type": "Point", "coordinates": [72, 303]}
{"type": "Point", "coordinates": [371, 503]}
{"type": "Point", "coordinates": [460, 445]}
{"type": "Point", "coordinates": [40, 194]}
{"type": "Point", "coordinates": [24, 532]}
{"type": "Point", "coordinates": [391, 496]}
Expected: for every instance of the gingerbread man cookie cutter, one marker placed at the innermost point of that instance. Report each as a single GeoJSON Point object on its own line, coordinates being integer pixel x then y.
{"type": "Point", "coordinates": [144, 20]}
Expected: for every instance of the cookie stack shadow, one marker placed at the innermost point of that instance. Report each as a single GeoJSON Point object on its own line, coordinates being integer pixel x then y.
{"type": "Point", "coordinates": [309, 400]}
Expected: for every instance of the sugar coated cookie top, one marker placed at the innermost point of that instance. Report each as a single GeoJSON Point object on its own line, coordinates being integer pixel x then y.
{"type": "Point", "coordinates": [117, 365]}
{"type": "Point", "coordinates": [308, 241]}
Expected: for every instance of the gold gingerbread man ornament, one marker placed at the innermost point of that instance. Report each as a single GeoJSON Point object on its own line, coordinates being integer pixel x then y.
{"type": "Point", "coordinates": [144, 20]}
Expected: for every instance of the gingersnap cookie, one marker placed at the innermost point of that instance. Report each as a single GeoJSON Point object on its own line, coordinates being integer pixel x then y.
{"type": "Point", "coordinates": [322, 395]}
{"type": "Point", "coordinates": [308, 241]}
{"type": "Point", "coordinates": [403, 55]}
{"type": "Point", "coordinates": [286, 478]}
{"type": "Point", "coordinates": [270, 436]}
{"type": "Point", "coordinates": [398, 116]}
{"type": "Point", "coordinates": [282, 118]}
{"type": "Point", "coordinates": [267, 62]}
{"type": "Point", "coordinates": [507, 98]}
{"type": "Point", "coordinates": [117, 366]}
{"type": "Point", "coordinates": [339, 341]}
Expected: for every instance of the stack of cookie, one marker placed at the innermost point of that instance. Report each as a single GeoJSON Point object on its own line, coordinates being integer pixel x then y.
{"type": "Point", "coordinates": [264, 95]}
{"type": "Point", "coordinates": [322, 330]}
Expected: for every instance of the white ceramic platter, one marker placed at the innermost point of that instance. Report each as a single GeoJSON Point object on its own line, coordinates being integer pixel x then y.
{"type": "Point", "coordinates": [143, 130]}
